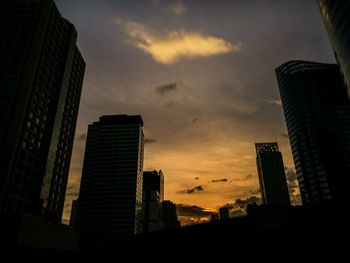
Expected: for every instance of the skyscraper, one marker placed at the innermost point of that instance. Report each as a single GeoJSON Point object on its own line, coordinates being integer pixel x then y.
{"type": "Point", "coordinates": [336, 18]}
{"type": "Point", "coordinates": [110, 198]}
{"type": "Point", "coordinates": [152, 197]}
{"type": "Point", "coordinates": [224, 213]}
{"type": "Point", "coordinates": [272, 178]}
{"type": "Point", "coordinates": [169, 215]}
{"type": "Point", "coordinates": [40, 85]}
{"type": "Point", "coordinates": [73, 213]}
{"type": "Point", "coordinates": [317, 113]}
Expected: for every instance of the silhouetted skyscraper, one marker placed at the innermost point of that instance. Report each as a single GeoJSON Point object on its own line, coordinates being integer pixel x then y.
{"type": "Point", "coordinates": [169, 215]}
{"type": "Point", "coordinates": [224, 213]}
{"type": "Point", "coordinates": [152, 197]}
{"type": "Point", "coordinates": [272, 178]}
{"type": "Point", "coordinates": [336, 17]}
{"type": "Point", "coordinates": [73, 213]}
{"type": "Point", "coordinates": [41, 77]}
{"type": "Point", "coordinates": [317, 113]}
{"type": "Point", "coordinates": [110, 198]}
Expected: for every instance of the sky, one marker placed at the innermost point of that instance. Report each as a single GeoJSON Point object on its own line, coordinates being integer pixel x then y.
{"type": "Point", "coordinates": [201, 75]}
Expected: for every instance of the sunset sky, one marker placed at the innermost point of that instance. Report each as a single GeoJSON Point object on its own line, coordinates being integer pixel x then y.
{"type": "Point", "coordinates": [201, 75]}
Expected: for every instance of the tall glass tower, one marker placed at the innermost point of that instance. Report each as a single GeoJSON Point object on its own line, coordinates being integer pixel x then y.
{"type": "Point", "coordinates": [336, 17]}
{"type": "Point", "coordinates": [41, 77]}
{"type": "Point", "coordinates": [110, 198]}
{"type": "Point", "coordinates": [272, 178]}
{"type": "Point", "coordinates": [317, 113]}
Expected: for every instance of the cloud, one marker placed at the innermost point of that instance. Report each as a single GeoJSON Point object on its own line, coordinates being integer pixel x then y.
{"type": "Point", "coordinates": [191, 210]}
{"type": "Point", "coordinates": [194, 120]}
{"type": "Point", "coordinates": [197, 188]}
{"type": "Point", "coordinates": [147, 140]}
{"type": "Point", "coordinates": [249, 176]}
{"type": "Point", "coordinates": [81, 137]}
{"type": "Point", "coordinates": [170, 47]}
{"type": "Point", "coordinates": [177, 8]}
{"type": "Point", "coordinates": [192, 214]}
{"type": "Point", "coordinates": [276, 102]}
{"type": "Point", "coordinates": [239, 206]}
{"type": "Point", "coordinates": [293, 187]}
{"type": "Point", "coordinates": [284, 135]}
{"type": "Point", "coordinates": [164, 89]}
{"type": "Point", "coordinates": [191, 190]}
{"type": "Point", "coordinates": [256, 191]}
{"type": "Point", "coordinates": [219, 180]}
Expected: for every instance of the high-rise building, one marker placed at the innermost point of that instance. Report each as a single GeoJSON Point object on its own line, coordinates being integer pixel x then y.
{"type": "Point", "coordinates": [224, 213]}
{"type": "Point", "coordinates": [336, 18]}
{"type": "Point", "coordinates": [73, 213]}
{"type": "Point", "coordinates": [41, 79]}
{"type": "Point", "coordinates": [110, 198]}
{"type": "Point", "coordinates": [272, 178]}
{"type": "Point", "coordinates": [152, 197]}
{"type": "Point", "coordinates": [317, 114]}
{"type": "Point", "coordinates": [169, 215]}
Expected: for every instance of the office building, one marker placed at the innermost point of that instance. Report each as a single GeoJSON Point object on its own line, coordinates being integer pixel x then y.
{"type": "Point", "coordinates": [336, 18]}
{"type": "Point", "coordinates": [152, 197]}
{"type": "Point", "coordinates": [317, 113]}
{"type": "Point", "coordinates": [73, 213]}
{"type": "Point", "coordinates": [272, 178]}
{"type": "Point", "coordinates": [41, 79]}
{"type": "Point", "coordinates": [224, 213]}
{"type": "Point", "coordinates": [110, 198]}
{"type": "Point", "coordinates": [169, 215]}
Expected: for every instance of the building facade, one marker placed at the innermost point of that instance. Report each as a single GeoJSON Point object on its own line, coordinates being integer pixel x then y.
{"type": "Point", "coordinates": [272, 178]}
{"type": "Point", "coordinates": [336, 18]}
{"type": "Point", "coordinates": [41, 79]}
{"type": "Point", "coordinates": [110, 198]}
{"type": "Point", "coordinates": [317, 114]}
{"type": "Point", "coordinates": [152, 198]}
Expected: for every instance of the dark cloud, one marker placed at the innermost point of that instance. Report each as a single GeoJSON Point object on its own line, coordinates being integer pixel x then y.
{"type": "Point", "coordinates": [242, 203]}
{"type": "Point", "coordinates": [72, 195]}
{"type": "Point", "coordinates": [147, 140]}
{"type": "Point", "coordinates": [194, 120]}
{"type": "Point", "coordinates": [219, 180]}
{"type": "Point", "coordinates": [249, 176]}
{"type": "Point", "coordinates": [81, 137]}
{"type": "Point", "coordinates": [293, 186]}
{"type": "Point", "coordinates": [197, 178]}
{"type": "Point", "coordinates": [284, 135]}
{"type": "Point", "coordinates": [191, 210]}
{"type": "Point", "coordinates": [256, 192]}
{"type": "Point", "coordinates": [239, 206]}
{"type": "Point", "coordinates": [191, 190]}
{"type": "Point", "coordinates": [197, 188]}
{"type": "Point", "coordinates": [164, 89]}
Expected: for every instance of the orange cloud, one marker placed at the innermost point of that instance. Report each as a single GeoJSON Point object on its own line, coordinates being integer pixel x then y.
{"type": "Point", "coordinates": [172, 46]}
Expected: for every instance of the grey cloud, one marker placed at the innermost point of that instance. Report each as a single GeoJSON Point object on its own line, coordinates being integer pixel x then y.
{"type": "Point", "coordinates": [197, 188]}
{"type": "Point", "coordinates": [191, 190]}
{"type": "Point", "coordinates": [256, 192]}
{"type": "Point", "coordinates": [165, 89]}
{"type": "Point", "coordinates": [147, 140]}
{"type": "Point", "coordinates": [238, 207]}
{"type": "Point", "coordinates": [284, 135]}
{"type": "Point", "coordinates": [81, 137]}
{"type": "Point", "coordinates": [219, 180]}
{"type": "Point", "coordinates": [191, 210]}
{"type": "Point", "coordinates": [249, 176]}
{"type": "Point", "coordinates": [293, 187]}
